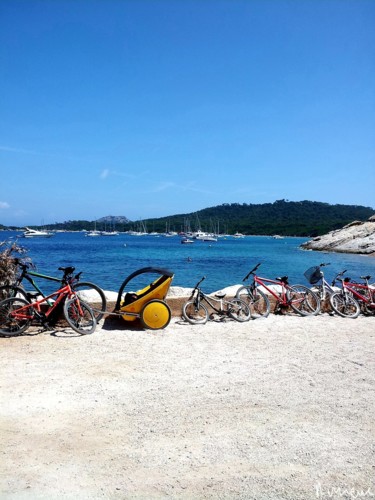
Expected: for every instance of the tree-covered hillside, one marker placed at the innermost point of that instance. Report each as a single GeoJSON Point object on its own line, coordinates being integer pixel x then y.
{"type": "Point", "coordinates": [288, 218]}
{"type": "Point", "coordinates": [304, 218]}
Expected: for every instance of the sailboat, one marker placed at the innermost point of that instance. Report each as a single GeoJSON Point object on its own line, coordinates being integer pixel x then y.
{"type": "Point", "coordinates": [94, 232]}
{"type": "Point", "coordinates": [109, 233]}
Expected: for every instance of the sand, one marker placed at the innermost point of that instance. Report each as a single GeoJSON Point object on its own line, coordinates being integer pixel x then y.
{"type": "Point", "coordinates": [276, 408]}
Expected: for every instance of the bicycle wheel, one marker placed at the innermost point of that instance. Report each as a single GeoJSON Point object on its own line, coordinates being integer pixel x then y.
{"type": "Point", "coordinates": [239, 310]}
{"type": "Point", "coordinates": [257, 301]}
{"type": "Point", "coordinates": [344, 305]}
{"type": "Point", "coordinates": [11, 325]}
{"type": "Point", "coordinates": [12, 291]}
{"type": "Point", "coordinates": [155, 315]}
{"type": "Point", "coordinates": [195, 314]}
{"type": "Point", "coordinates": [303, 300]}
{"type": "Point", "coordinates": [366, 303]}
{"type": "Point", "coordinates": [92, 295]}
{"type": "Point", "coordinates": [79, 316]}
{"type": "Point", "coordinates": [368, 308]}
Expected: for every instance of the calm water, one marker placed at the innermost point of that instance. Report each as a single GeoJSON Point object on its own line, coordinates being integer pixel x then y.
{"type": "Point", "coordinates": [107, 261]}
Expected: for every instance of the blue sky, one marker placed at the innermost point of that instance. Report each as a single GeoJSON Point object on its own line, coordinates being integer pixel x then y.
{"type": "Point", "coordinates": [148, 108]}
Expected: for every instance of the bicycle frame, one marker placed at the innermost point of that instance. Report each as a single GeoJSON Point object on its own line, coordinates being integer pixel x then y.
{"type": "Point", "coordinates": [27, 275]}
{"type": "Point", "coordinates": [202, 297]}
{"type": "Point", "coordinates": [353, 289]}
{"type": "Point", "coordinates": [284, 298]}
{"type": "Point", "coordinates": [61, 294]}
{"type": "Point", "coordinates": [326, 287]}
{"type": "Point", "coordinates": [279, 297]}
{"type": "Point", "coordinates": [198, 295]}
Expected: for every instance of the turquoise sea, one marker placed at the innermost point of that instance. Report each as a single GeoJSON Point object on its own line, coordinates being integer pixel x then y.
{"type": "Point", "coordinates": [108, 260]}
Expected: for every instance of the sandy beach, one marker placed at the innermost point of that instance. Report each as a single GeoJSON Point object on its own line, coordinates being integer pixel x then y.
{"type": "Point", "coordinates": [276, 408]}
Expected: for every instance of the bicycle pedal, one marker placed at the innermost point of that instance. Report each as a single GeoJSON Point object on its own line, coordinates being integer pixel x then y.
{"type": "Point", "coordinates": [47, 326]}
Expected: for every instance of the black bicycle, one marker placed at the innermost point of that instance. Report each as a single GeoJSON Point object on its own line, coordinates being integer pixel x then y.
{"type": "Point", "coordinates": [195, 312]}
{"type": "Point", "coordinates": [86, 291]}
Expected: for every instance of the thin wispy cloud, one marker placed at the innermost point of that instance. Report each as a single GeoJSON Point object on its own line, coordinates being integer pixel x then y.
{"type": "Point", "coordinates": [104, 174]}
{"type": "Point", "coordinates": [165, 185]}
{"type": "Point", "coordinates": [162, 186]}
{"type": "Point", "coordinates": [191, 186]}
{"type": "Point", "coordinates": [17, 150]}
{"type": "Point", "coordinates": [4, 205]}
{"type": "Point", "coordinates": [115, 173]}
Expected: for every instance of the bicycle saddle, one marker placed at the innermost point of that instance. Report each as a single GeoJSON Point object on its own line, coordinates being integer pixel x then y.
{"type": "Point", "coordinates": [67, 270]}
{"type": "Point", "coordinates": [284, 279]}
{"type": "Point", "coordinates": [365, 277]}
{"type": "Point", "coordinates": [220, 295]}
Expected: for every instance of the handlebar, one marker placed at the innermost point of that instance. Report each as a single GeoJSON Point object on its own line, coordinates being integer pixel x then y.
{"type": "Point", "coordinates": [197, 287]}
{"type": "Point", "coordinates": [199, 282]}
{"type": "Point", "coordinates": [323, 264]}
{"type": "Point", "coordinates": [251, 272]}
{"type": "Point", "coordinates": [23, 265]}
{"type": "Point", "coordinates": [337, 277]}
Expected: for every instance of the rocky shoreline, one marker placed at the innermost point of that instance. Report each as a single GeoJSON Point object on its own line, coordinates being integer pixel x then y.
{"type": "Point", "coordinates": [357, 237]}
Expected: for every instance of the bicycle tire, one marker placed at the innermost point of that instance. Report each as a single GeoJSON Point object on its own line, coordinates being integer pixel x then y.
{"type": "Point", "coordinates": [196, 315]}
{"type": "Point", "coordinates": [257, 301]}
{"type": "Point", "coordinates": [83, 323]}
{"type": "Point", "coordinates": [156, 315]}
{"type": "Point", "coordinates": [344, 305]}
{"type": "Point", "coordinates": [12, 291]}
{"type": "Point", "coordinates": [368, 308]}
{"type": "Point", "coordinates": [93, 295]}
{"type": "Point", "coordinates": [239, 310]}
{"type": "Point", "coordinates": [9, 327]}
{"type": "Point", "coordinates": [366, 302]}
{"type": "Point", "coordinates": [303, 300]}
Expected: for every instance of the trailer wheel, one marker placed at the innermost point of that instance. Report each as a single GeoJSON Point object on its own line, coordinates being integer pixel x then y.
{"type": "Point", "coordinates": [155, 315]}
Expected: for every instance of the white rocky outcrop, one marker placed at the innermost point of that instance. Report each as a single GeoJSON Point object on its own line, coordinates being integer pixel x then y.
{"type": "Point", "coordinates": [356, 237]}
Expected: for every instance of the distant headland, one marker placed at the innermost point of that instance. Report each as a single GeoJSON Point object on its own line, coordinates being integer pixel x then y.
{"type": "Point", "coordinates": [286, 218]}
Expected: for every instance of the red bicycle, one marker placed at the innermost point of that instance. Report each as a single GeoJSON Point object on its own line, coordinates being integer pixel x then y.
{"type": "Point", "coordinates": [17, 314]}
{"type": "Point", "coordinates": [354, 297]}
{"type": "Point", "coordinates": [300, 298]}
{"type": "Point", "coordinates": [364, 294]}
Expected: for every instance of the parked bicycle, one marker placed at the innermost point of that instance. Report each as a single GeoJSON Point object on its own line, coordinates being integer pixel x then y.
{"type": "Point", "coordinates": [323, 289]}
{"type": "Point", "coordinates": [299, 297]}
{"type": "Point", "coordinates": [364, 293]}
{"type": "Point", "coordinates": [353, 297]}
{"type": "Point", "coordinates": [195, 312]}
{"type": "Point", "coordinates": [17, 314]}
{"type": "Point", "coordinates": [89, 292]}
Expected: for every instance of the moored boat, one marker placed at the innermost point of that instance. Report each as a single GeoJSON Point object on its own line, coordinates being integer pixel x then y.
{"type": "Point", "coordinates": [93, 233]}
{"type": "Point", "coordinates": [34, 233]}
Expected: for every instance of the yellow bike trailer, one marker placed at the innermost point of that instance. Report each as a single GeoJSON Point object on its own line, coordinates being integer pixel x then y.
{"type": "Point", "coordinates": [148, 303]}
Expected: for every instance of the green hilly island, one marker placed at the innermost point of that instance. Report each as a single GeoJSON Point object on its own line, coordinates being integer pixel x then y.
{"type": "Point", "coordinates": [283, 217]}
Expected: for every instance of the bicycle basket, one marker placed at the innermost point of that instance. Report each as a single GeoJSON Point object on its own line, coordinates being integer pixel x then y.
{"type": "Point", "coordinates": [313, 275]}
